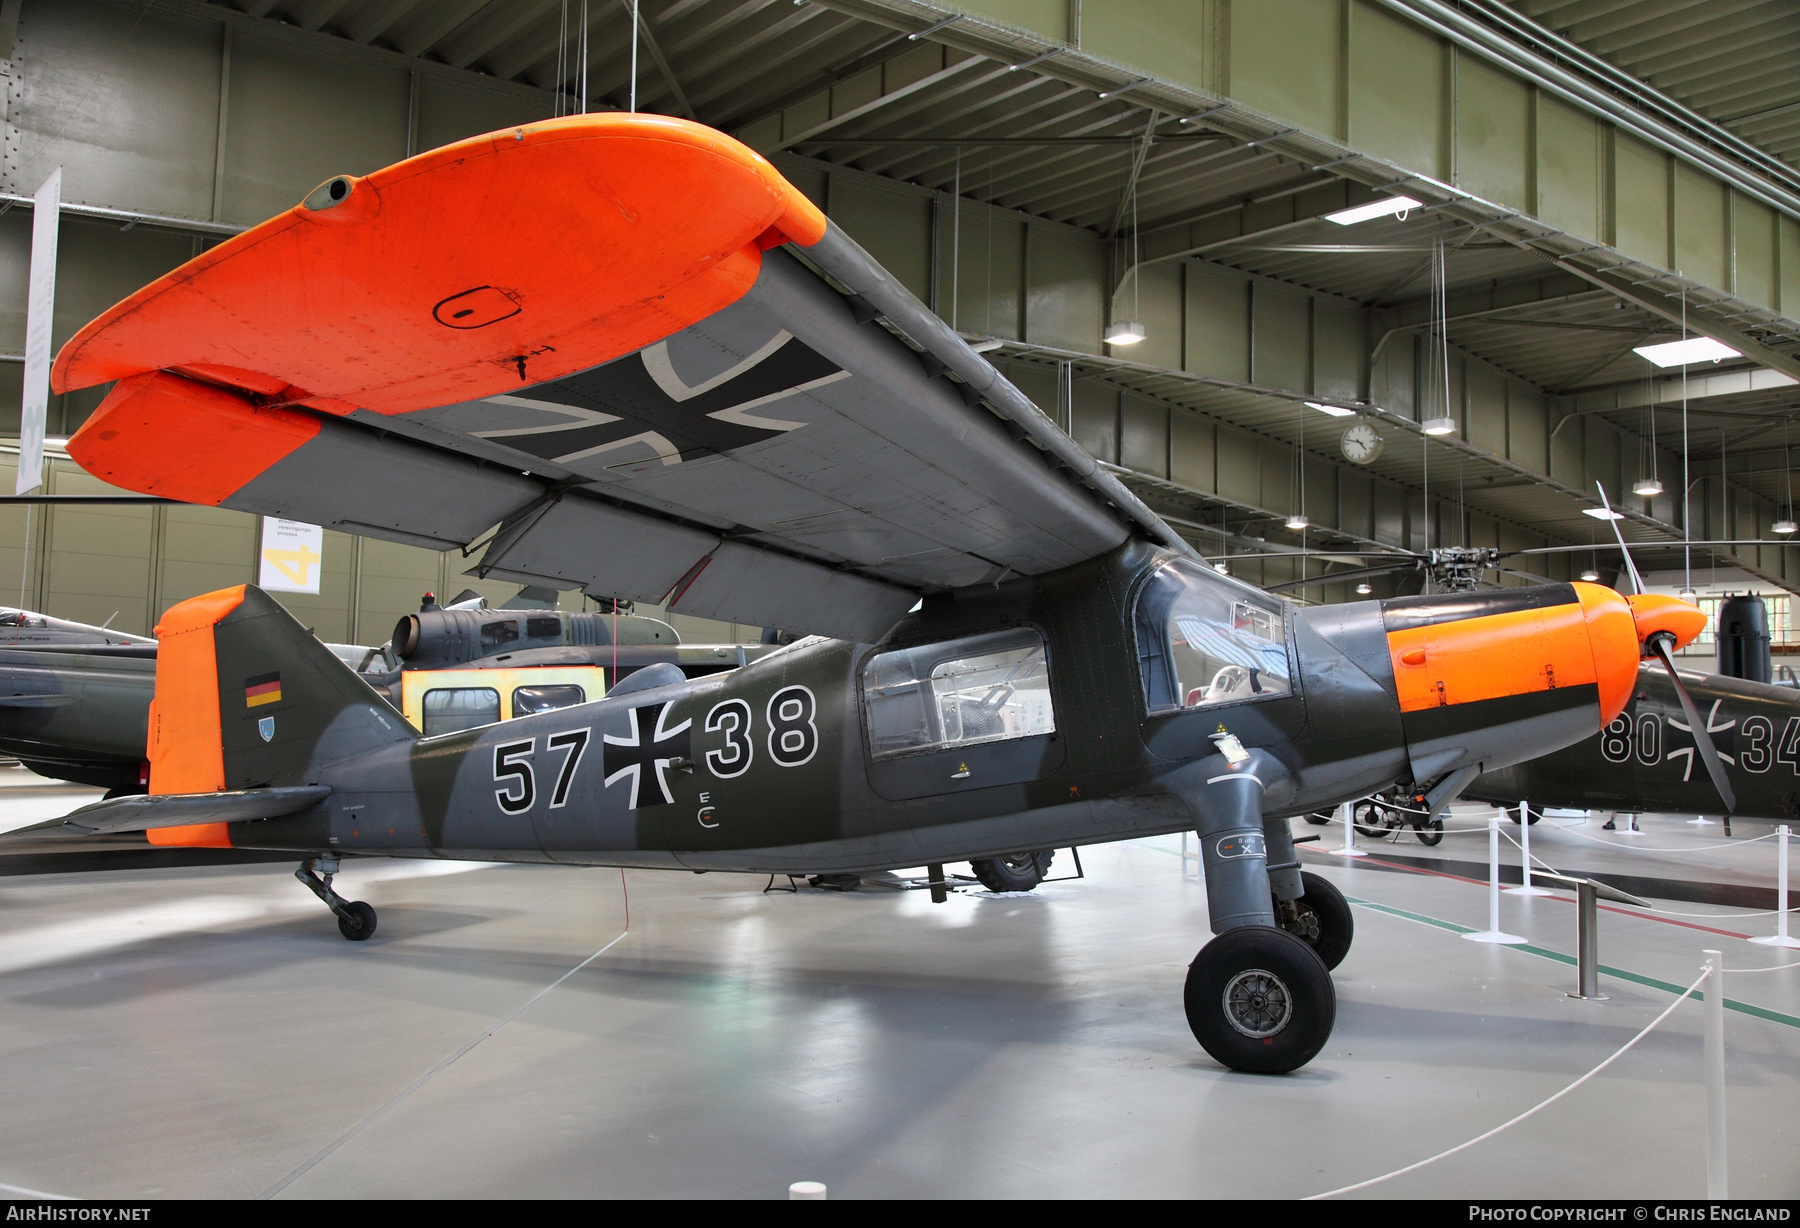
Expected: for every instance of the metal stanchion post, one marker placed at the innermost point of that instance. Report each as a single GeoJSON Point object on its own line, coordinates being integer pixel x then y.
{"type": "Point", "coordinates": [1493, 932]}
{"type": "Point", "coordinates": [1348, 814]}
{"type": "Point", "coordinates": [1525, 853]}
{"type": "Point", "coordinates": [1780, 938]}
{"type": "Point", "coordinates": [1715, 1075]}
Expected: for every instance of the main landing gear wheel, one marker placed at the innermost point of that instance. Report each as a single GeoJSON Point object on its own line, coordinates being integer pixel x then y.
{"type": "Point", "coordinates": [1015, 872]}
{"type": "Point", "coordinates": [1260, 1000]}
{"type": "Point", "coordinates": [1430, 834]}
{"type": "Point", "coordinates": [1320, 918]}
{"type": "Point", "coordinates": [357, 923]}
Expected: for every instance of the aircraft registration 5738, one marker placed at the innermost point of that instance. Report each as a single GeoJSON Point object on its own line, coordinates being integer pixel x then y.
{"type": "Point", "coordinates": [632, 358]}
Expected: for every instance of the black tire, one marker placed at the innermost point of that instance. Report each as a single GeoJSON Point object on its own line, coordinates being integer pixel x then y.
{"type": "Point", "coordinates": [1318, 820]}
{"type": "Point", "coordinates": [1014, 872]}
{"type": "Point", "coordinates": [1513, 814]}
{"type": "Point", "coordinates": [1260, 1000]}
{"type": "Point", "coordinates": [1324, 922]}
{"type": "Point", "coordinates": [363, 928]}
{"type": "Point", "coordinates": [1430, 834]}
{"type": "Point", "coordinates": [1368, 821]}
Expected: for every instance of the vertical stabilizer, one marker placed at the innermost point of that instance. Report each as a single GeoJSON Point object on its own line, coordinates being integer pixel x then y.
{"type": "Point", "coordinates": [247, 698]}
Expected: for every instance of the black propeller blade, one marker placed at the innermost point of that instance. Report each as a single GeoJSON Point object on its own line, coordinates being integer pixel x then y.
{"type": "Point", "coordinates": [1659, 644]}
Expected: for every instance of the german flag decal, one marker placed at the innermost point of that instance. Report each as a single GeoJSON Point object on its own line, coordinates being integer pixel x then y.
{"type": "Point", "coordinates": [262, 689]}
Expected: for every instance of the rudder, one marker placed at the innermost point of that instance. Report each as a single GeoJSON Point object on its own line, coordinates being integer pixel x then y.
{"type": "Point", "coordinates": [248, 698]}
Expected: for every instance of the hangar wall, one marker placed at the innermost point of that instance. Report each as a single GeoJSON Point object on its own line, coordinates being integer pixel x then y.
{"type": "Point", "coordinates": [186, 111]}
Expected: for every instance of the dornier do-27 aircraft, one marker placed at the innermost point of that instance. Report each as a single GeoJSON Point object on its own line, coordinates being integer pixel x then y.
{"type": "Point", "coordinates": [653, 363]}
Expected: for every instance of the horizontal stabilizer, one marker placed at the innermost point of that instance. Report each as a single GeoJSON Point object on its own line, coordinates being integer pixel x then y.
{"type": "Point", "coordinates": [143, 813]}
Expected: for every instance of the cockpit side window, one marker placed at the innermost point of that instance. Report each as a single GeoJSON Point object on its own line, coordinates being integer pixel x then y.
{"type": "Point", "coordinates": [1202, 640]}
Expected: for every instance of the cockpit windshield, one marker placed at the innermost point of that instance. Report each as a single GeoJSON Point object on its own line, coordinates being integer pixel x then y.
{"type": "Point", "coordinates": [1203, 640]}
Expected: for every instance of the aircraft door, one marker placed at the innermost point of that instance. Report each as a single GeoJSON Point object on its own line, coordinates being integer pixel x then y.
{"type": "Point", "coordinates": [959, 715]}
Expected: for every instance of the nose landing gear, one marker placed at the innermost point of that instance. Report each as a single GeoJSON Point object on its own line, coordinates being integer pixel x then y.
{"type": "Point", "coordinates": [356, 920]}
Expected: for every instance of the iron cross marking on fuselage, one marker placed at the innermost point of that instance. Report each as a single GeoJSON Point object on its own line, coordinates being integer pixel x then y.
{"type": "Point", "coordinates": [645, 762]}
{"type": "Point", "coordinates": [641, 400]}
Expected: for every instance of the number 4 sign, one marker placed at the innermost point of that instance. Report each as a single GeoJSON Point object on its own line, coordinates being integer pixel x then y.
{"type": "Point", "coordinates": [292, 556]}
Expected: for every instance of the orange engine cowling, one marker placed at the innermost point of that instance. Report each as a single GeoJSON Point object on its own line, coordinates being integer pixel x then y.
{"type": "Point", "coordinates": [1511, 674]}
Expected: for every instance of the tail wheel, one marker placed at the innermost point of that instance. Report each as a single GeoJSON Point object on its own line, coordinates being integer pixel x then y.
{"type": "Point", "coordinates": [1322, 919]}
{"type": "Point", "coordinates": [1260, 1000]}
{"type": "Point", "coordinates": [359, 926]}
{"type": "Point", "coordinates": [1015, 872]}
{"type": "Point", "coordinates": [1431, 833]}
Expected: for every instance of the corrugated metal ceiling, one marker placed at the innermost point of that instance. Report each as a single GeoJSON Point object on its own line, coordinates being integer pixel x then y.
{"type": "Point", "coordinates": [1055, 146]}
{"type": "Point", "coordinates": [1737, 62]}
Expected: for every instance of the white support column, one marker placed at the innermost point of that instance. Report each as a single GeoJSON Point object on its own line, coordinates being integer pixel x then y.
{"type": "Point", "coordinates": [1493, 932]}
{"type": "Point", "coordinates": [1525, 854]}
{"type": "Point", "coordinates": [1347, 813]}
{"type": "Point", "coordinates": [1715, 1075]}
{"type": "Point", "coordinates": [1780, 937]}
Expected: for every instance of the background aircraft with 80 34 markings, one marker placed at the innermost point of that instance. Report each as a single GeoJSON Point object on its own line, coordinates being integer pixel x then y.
{"type": "Point", "coordinates": [634, 347]}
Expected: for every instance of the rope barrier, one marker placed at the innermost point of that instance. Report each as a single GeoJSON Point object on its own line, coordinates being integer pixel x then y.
{"type": "Point", "coordinates": [1774, 968]}
{"type": "Point", "coordinates": [1400, 1172]}
{"type": "Point", "coordinates": [1661, 912]}
{"type": "Point", "coordinates": [1613, 844]}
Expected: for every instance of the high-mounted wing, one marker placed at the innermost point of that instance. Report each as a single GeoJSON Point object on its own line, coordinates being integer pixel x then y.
{"type": "Point", "coordinates": [595, 333]}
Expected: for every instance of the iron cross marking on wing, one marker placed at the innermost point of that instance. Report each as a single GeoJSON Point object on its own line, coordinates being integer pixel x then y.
{"type": "Point", "coordinates": [646, 762]}
{"type": "Point", "coordinates": [638, 403]}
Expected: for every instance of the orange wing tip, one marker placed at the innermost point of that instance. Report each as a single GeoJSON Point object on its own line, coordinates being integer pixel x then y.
{"type": "Point", "coordinates": [336, 295]}
{"type": "Point", "coordinates": [1653, 612]}
{"type": "Point", "coordinates": [163, 434]}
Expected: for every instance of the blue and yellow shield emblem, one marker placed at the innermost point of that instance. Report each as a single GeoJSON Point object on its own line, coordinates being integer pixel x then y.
{"type": "Point", "coordinates": [266, 727]}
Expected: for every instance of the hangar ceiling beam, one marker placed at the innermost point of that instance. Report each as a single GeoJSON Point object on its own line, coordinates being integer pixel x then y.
{"type": "Point", "coordinates": [1774, 184]}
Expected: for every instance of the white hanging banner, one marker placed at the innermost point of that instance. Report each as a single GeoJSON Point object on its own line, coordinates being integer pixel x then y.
{"type": "Point", "coordinates": [293, 554]}
{"type": "Point", "coordinates": [40, 306]}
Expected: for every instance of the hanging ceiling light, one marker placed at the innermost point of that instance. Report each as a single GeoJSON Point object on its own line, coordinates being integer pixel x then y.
{"type": "Point", "coordinates": [1297, 522]}
{"type": "Point", "coordinates": [1784, 526]}
{"type": "Point", "coordinates": [1364, 589]}
{"type": "Point", "coordinates": [1387, 206]}
{"type": "Point", "coordinates": [1647, 487]}
{"type": "Point", "coordinates": [1125, 332]}
{"type": "Point", "coordinates": [1680, 353]}
{"type": "Point", "coordinates": [1438, 426]}
{"type": "Point", "coordinates": [1336, 411]}
{"type": "Point", "coordinates": [1223, 569]}
{"type": "Point", "coordinates": [1689, 595]}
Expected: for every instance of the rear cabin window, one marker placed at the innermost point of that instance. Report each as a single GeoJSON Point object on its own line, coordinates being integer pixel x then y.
{"type": "Point", "coordinates": [448, 709]}
{"type": "Point", "coordinates": [543, 628]}
{"type": "Point", "coordinates": [497, 633]}
{"type": "Point", "coordinates": [1203, 640]}
{"type": "Point", "coordinates": [986, 688]}
{"type": "Point", "coordinates": [529, 699]}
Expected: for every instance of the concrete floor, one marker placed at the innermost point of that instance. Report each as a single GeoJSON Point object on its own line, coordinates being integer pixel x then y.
{"type": "Point", "coordinates": [202, 1031]}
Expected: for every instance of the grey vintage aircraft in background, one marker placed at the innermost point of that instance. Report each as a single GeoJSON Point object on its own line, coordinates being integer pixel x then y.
{"type": "Point", "coordinates": [657, 367]}
{"type": "Point", "coordinates": [75, 698]}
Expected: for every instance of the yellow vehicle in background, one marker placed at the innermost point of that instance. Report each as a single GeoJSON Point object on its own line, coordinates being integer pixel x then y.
{"type": "Point", "coordinates": [446, 700]}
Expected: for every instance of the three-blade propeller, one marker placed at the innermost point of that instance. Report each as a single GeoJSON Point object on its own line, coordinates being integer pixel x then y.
{"type": "Point", "coordinates": [1658, 643]}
